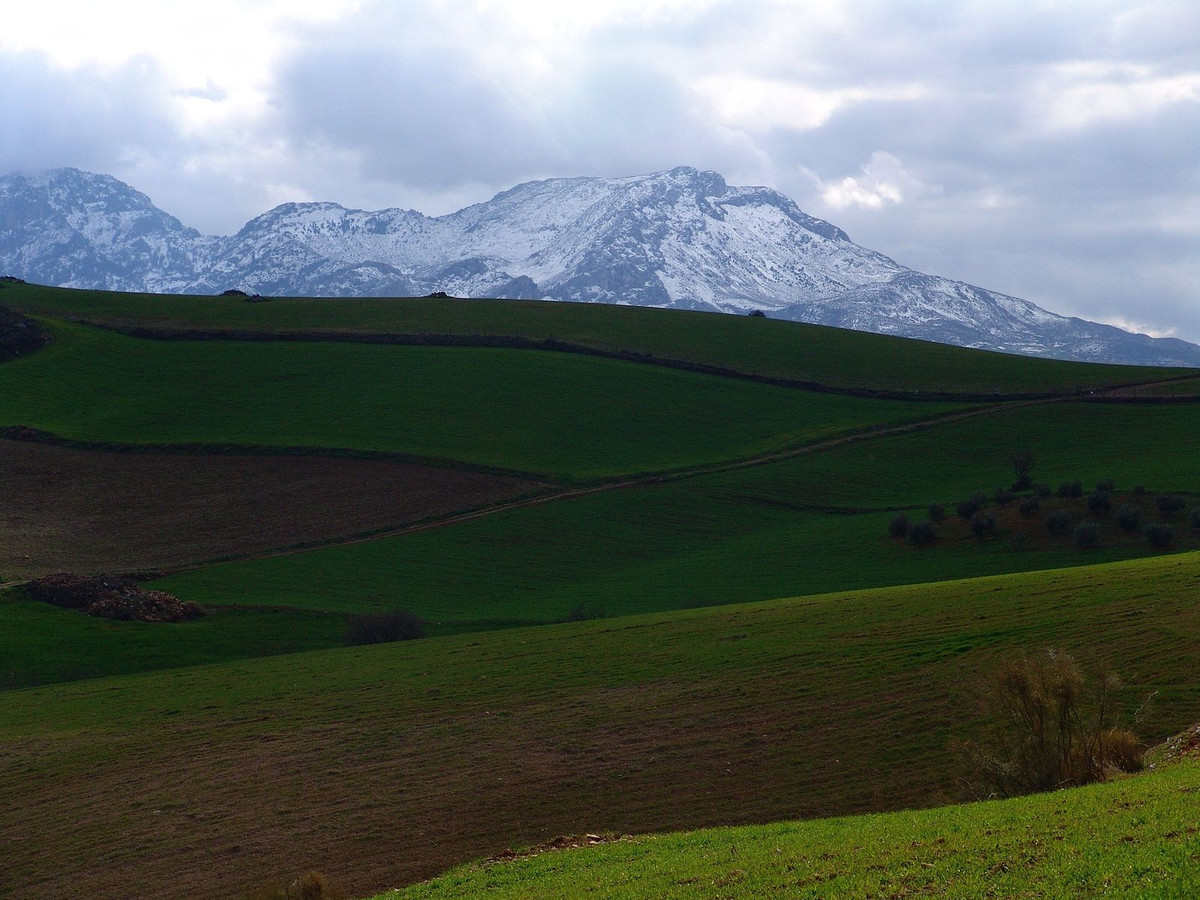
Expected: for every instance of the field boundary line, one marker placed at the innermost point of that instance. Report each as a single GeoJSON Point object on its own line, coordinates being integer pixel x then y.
{"type": "Point", "coordinates": [552, 344]}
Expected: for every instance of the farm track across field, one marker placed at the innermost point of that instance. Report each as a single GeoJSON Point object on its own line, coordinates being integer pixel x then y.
{"type": "Point", "coordinates": [378, 527]}
{"type": "Point", "coordinates": [866, 434]}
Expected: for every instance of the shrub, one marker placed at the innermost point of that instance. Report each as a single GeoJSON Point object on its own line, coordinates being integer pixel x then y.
{"type": "Point", "coordinates": [1030, 505]}
{"type": "Point", "coordinates": [1194, 517]}
{"type": "Point", "coordinates": [1058, 522]}
{"type": "Point", "coordinates": [1041, 489]}
{"type": "Point", "coordinates": [1107, 486]}
{"type": "Point", "coordinates": [898, 527]}
{"type": "Point", "coordinates": [1139, 490]}
{"type": "Point", "coordinates": [384, 628]}
{"type": "Point", "coordinates": [937, 512]}
{"type": "Point", "coordinates": [1003, 496]}
{"type": "Point", "coordinates": [585, 612]}
{"type": "Point", "coordinates": [1051, 727]}
{"type": "Point", "coordinates": [1169, 504]}
{"type": "Point", "coordinates": [1022, 464]}
{"type": "Point", "coordinates": [1072, 488]}
{"type": "Point", "coordinates": [1087, 535]}
{"type": "Point", "coordinates": [983, 523]}
{"type": "Point", "coordinates": [922, 534]}
{"type": "Point", "coordinates": [1160, 535]}
{"type": "Point", "coordinates": [973, 504]}
{"type": "Point", "coordinates": [1129, 518]}
{"type": "Point", "coordinates": [1023, 483]}
{"type": "Point", "coordinates": [1099, 501]}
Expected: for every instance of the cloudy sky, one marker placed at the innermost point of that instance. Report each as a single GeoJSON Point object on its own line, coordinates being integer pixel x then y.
{"type": "Point", "coordinates": [1045, 149]}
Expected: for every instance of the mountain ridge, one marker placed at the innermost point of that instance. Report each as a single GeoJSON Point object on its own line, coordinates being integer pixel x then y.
{"type": "Point", "coordinates": [683, 238]}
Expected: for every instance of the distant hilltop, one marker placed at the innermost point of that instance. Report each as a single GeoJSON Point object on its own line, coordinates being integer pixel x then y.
{"type": "Point", "coordinates": [683, 239]}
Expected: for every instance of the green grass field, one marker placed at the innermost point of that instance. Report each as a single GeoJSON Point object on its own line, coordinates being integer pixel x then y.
{"type": "Point", "coordinates": [745, 534]}
{"type": "Point", "coordinates": [559, 414]}
{"type": "Point", "coordinates": [771, 348]}
{"type": "Point", "coordinates": [390, 763]}
{"type": "Point", "coordinates": [1136, 837]}
{"type": "Point", "coordinates": [197, 759]}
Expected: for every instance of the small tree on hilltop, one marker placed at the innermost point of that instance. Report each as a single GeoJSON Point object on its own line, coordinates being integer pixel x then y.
{"type": "Point", "coordinates": [983, 523]}
{"type": "Point", "coordinates": [1129, 518]}
{"type": "Point", "coordinates": [1169, 504]}
{"type": "Point", "coordinates": [1058, 522]}
{"type": "Point", "coordinates": [973, 504]}
{"type": "Point", "coordinates": [922, 534]}
{"type": "Point", "coordinates": [1087, 535]}
{"type": "Point", "coordinates": [1022, 465]}
{"type": "Point", "coordinates": [1160, 535]}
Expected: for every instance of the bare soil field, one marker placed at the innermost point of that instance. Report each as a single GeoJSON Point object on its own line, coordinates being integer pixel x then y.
{"type": "Point", "coordinates": [90, 511]}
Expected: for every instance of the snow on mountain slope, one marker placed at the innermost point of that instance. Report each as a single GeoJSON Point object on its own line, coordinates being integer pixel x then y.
{"type": "Point", "coordinates": [682, 238]}
{"type": "Point", "coordinates": [74, 229]}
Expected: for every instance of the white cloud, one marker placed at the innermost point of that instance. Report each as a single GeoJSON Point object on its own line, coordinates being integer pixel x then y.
{"type": "Point", "coordinates": [1042, 149]}
{"type": "Point", "coordinates": [1137, 327]}
{"type": "Point", "coordinates": [1078, 95]}
{"type": "Point", "coordinates": [883, 182]}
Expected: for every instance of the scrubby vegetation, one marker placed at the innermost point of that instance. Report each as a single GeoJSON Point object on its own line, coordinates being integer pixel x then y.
{"type": "Point", "coordinates": [383, 628]}
{"type": "Point", "coordinates": [1052, 727]}
{"type": "Point", "coordinates": [493, 733]}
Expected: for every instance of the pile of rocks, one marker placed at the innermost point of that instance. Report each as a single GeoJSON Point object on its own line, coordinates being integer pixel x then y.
{"type": "Point", "coordinates": [113, 597]}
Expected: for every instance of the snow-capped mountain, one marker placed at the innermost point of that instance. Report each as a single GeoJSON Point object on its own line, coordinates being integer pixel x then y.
{"type": "Point", "coordinates": [681, 238]}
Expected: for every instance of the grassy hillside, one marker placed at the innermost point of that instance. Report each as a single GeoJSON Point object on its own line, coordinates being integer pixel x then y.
{"type": "Point", "coordinates": [386, 764]}
{"type": "Point", "coordinates": [531, 411]}
{"type": "Point", "coordinates": [804, 525]}
{"type": "Point", "coordinates": [1131, 838]}
{"type": "Point", "coordinates": [197, 759]}
{"type": "Point", "coordinates": [765, 347]}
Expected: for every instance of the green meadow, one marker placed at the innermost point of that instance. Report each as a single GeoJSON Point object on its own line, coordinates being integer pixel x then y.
{"type": "Point", "coordinates": [388, 763]}
{"type": "Point", "coordinates": [759, 651]}
{"type": "Point", "coordinates": [777, 349]}
{"type": "Point", "coordinates": [1134, 837]}
{"type": "Point", "coordinates": [809, 524]}
{"type": "Point", "coordinates": [552, 414]}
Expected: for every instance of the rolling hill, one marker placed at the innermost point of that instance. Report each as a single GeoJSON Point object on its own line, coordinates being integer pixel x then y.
{"type": "Point", "coordinates": [711, 495]}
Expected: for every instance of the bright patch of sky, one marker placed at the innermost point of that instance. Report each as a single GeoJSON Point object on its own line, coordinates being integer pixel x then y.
{"type": "Point", "coordinates": [1041, 149]}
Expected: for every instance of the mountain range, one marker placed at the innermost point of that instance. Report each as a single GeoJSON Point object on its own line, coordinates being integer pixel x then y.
{"type": "Point", "coordinates": [682, 238]}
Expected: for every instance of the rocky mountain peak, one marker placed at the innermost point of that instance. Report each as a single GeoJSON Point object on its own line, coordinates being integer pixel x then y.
{"type": "Point", "coordinates": [681, 238]}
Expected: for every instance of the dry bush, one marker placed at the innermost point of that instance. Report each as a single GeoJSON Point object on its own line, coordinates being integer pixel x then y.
{"type": "Point", "coordinates": [1051, 727]}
